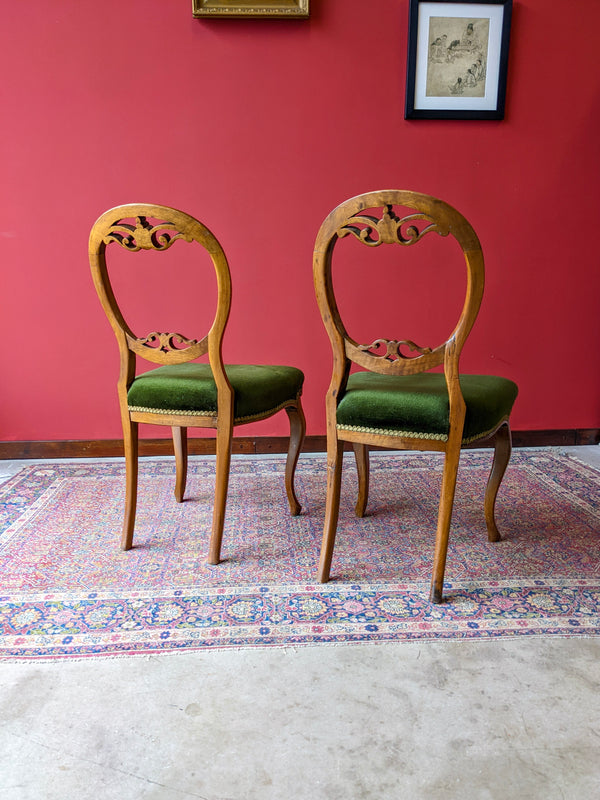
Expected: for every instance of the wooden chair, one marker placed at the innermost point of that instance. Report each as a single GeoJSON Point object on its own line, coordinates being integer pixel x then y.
{"type": "Point", "coordinates": [181, 392]}
{"type": "Point", "coordinates": [396, 401]}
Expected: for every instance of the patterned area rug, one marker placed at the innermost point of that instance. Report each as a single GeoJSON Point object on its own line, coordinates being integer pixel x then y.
{"type": "Point", "coordinates": [68, 591]}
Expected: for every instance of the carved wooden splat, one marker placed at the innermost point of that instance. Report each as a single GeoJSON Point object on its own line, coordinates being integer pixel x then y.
{"type": "Point", "coordinates": [389, 229]}
{"type": "Point", "coordinates": [392, 349]}
{"type": "Point", "coordinates": [167, 342]}
{"type": "Point", "coordinates": [144, 236]}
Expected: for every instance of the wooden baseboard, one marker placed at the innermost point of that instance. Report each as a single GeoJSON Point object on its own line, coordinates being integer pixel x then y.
{"type": "Point", "coordinates": [106, 448]}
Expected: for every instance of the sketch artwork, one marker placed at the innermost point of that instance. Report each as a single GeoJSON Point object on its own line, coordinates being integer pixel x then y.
{"type": "Point", "coordinates": [457, 57]}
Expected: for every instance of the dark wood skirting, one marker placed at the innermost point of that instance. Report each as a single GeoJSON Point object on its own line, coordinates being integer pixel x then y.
{"type": "Point", "coordinates": [105, 448]}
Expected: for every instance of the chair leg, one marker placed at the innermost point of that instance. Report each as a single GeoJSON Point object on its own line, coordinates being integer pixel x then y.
{"type": "Point", "coordinates": [130, 441]}
{"type": "Point", "coordinates": [502, 451]}
{"type": "Point", "coordinates": [335, 453]}
{"type": "Point", "coordinates": [224, 435]}
{"type": "Point", "coordinates": [181, 461]}
{"type": "Point", "coordinates": [297, 432]}
{"type": "Point", "coordinates": [361, 454]}
{"type": "Point", "coordinates": [444, 519]}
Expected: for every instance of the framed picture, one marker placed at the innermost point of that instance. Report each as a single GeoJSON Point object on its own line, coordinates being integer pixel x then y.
{"type": "Point", "coordinates": [251, 8]}
{"type": "Point", "coordinates": [457, 59]}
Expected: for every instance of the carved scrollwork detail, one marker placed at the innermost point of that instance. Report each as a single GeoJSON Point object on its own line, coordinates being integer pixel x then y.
{"type": "Point", "coordinates": [167, 342]}
{"type": "Point", "coordinates": [389, 229]}
{"type": "Point", "coordinates": [144, 236]}
{"type": "Point", "coordinates": [392, 349]}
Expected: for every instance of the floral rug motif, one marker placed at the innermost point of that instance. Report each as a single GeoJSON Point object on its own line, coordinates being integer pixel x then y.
{"type": "Point", "coordinates": [67, 590]}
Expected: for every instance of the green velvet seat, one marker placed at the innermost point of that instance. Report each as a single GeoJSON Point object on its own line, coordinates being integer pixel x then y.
{"type": "Point", "coordinates": [191, 389]}
{"type": "Point", "coordinates": [418, 405]}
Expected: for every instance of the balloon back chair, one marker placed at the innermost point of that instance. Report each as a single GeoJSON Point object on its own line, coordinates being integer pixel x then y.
{"type": "Point", "coordinates": [397, 400]}
{"type": "Point", "coordinates": [183, 392]}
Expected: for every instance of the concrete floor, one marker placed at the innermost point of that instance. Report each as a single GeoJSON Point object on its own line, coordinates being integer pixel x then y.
{"type": "Point", "coordinates": [472, 720]}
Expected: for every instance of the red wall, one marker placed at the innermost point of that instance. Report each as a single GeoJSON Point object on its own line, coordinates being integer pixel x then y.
{"type": "Point", "coordinates": [260, 128]}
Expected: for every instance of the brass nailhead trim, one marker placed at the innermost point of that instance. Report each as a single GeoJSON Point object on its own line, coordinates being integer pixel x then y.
{"type": "Point", "coordinates": [439, 437]}
{"type": "Point", "coordinates": [184, 412]}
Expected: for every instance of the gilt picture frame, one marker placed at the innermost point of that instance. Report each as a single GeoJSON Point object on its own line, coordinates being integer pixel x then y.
{"type": "Point", "coordinates": [265, 9]}
{"type": "Point", "coordinates": [457, 59]}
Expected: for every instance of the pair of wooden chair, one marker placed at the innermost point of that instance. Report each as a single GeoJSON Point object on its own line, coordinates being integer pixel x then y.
{"type": "Point", "coordinates": [397, 400]}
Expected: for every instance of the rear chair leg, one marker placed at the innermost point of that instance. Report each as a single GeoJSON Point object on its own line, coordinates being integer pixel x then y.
{"type": "Point", "coordinates": [335, 453]}
{"type": "Point", "coordinates": [130, 441]}
{"type": "Point", "coordinates": [221, 483]}
{"type": "Point", "coordinates": [444, 520]}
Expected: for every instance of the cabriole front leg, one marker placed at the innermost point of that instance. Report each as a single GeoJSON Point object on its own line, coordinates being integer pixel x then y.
{"type": "Point", "coordinates": [297, 433]}
{"type": "Point", "coordinates": [502, 451]}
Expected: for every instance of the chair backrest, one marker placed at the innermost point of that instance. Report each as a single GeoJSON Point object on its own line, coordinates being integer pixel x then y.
{"type": "Point", "coordinates": [142, 226]}
{"type": "Point", "coordinates": [372, 220]}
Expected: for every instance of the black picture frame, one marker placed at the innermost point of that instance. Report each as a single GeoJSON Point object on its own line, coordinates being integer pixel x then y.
{"type": "Point", "coordinates": [457, 59]}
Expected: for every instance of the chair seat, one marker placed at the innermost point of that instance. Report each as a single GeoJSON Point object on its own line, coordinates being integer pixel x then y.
{"type": "Point", "coordinates": [417, 406]}
{"type": "Point", "coordinates": [190, 389]}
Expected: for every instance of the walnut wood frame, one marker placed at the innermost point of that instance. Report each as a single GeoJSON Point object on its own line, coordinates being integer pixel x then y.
{"type": "Point", "coordinates": [443, 220]}
{"type": "Point", "coordinates": [113, 228]}
{"type": "Point", "coordinates": [266, 9]}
